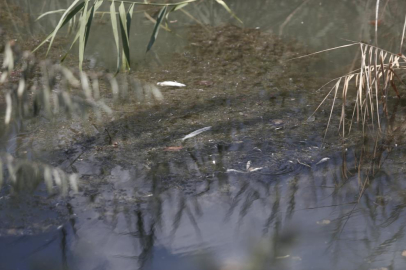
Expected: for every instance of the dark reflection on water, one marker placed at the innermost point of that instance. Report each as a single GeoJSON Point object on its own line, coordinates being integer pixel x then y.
{"type": "Point", "coordinates": [306, 218]}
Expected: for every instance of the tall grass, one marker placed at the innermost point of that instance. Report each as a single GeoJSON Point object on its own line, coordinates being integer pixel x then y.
{"type": "Point", "coordinates": [81, 13]}
{"type": "Point", "coordinates": [372, 82]}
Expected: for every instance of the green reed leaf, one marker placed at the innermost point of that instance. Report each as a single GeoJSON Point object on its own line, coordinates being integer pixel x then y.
{"type": "Point", "coordinates": [156, 27]}
{"type": "Point", "coordinates": [124, 36]}
{"type": "Point", "coordinates": [175, 8]}
{"type": "Point", "coordinates": [115, 31]}
{"type": "Point", "coordinates": [82, 34]}
{"type": "Point", "coordinates": [89, 24]}
{"type": "Point", "coordinates": [66, 17]}
{"type": "Point", "coordinates": [89, 21]}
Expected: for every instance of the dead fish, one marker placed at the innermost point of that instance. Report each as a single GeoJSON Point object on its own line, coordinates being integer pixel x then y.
{"type": "Point", "coordinates": [322, 160]}
{"type": "Point", "coordinates": [195, 133]}
{"type": "Point", "coordinates": [171, 83]}
{"type": "Point", "coordinates": [254, 169]}
{"type": "Point", "coordinates": [234, 171]}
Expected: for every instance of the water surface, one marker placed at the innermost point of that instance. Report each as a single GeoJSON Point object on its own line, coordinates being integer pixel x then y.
{"type": "Point", "coordinates": [262, 189]}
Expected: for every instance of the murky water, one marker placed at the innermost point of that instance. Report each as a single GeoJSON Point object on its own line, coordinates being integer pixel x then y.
{"type": "Point", "coordinates": [259, 190]}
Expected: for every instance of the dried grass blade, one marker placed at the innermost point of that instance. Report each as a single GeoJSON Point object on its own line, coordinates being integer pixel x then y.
{"type": "Point", "coordinates": [376, 22]}
{"type": "Point", "coordinates": [166, 28]}
{"type": "Point", "coordinates": [395, 88]}
{"type": "Point", "coordinates": [194, 19]}
{"type": "Point", "coordinates": [403, 36]}
{"type": "Point", "coordinates": [221, 2]}
{"type": "Point", "coordinates": [353, 114]}
{"type": "Point", "coordinates": [376, 84]}
{"type": "Point", "coordinates": [382, 71]}
{"type": "Point", "coordinates": [178, 7]}
{"type": "Point", "coordinates": [361, 81]}
{"type": "Point", "coordinates": [344, 99]}
{"type": "Point", "coordinates": [396, 61]}
{"type": "Point", "coordinates": [322, 102]}
{"type": "Point", "coordinates": [175, 8]}
{"type": "Point", "coordinates": [49, 13]}
{"type": "Point", "coordinates": [290, 16]}
{"type": "Point", "coordinates": [330, 49]}
{"type": "Point", "coordinates": [337, 85]}
{"type": "Point", "coordinates": [368, 72]}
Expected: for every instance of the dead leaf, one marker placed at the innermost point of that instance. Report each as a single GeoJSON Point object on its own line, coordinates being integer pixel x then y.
{"type": "Point", "coordinates": [277, 122]}
{"type": "Point", "coordinates": [205, 83]}
{"type": "Point", "coordinates": [324, 222]}
{"type": "Point", "coordinates": [173, 148]}
{"type": "Point", "coordinates": [283, 257]}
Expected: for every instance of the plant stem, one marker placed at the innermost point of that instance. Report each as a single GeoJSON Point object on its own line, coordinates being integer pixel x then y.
{"type": "Point", "coordinates": [156, 4]}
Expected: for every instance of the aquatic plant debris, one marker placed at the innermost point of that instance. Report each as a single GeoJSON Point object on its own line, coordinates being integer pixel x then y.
{"type": "Point", "coordinates": [171, 83]}
{"type": "Point", "coordinates": [196, 132]}
{"type": "Point", "coordinates": [248, 169]}
{"type": "Point", "coordinates": [324, 222]}
{"type": "Point", "coordinates": [173, 148]}
{"type": "Point", "coordinates": [251, 169]}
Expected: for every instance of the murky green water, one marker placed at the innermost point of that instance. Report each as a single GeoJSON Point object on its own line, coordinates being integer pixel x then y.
{"type": "Point", "coordinates": [259, 190]}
